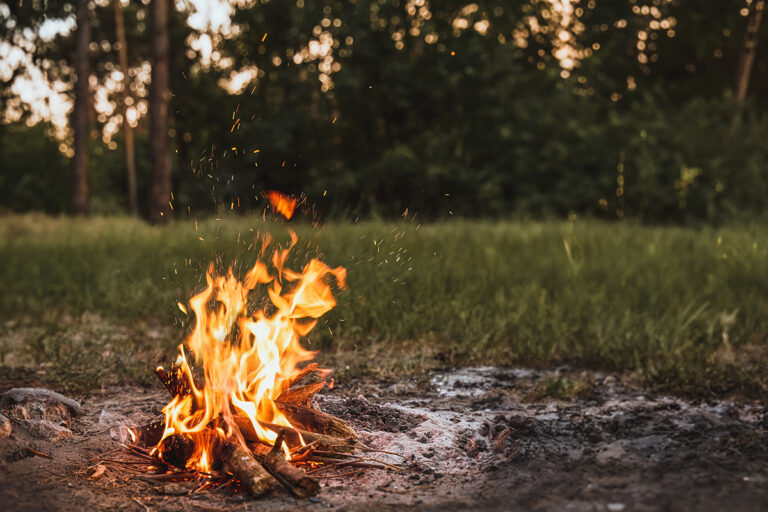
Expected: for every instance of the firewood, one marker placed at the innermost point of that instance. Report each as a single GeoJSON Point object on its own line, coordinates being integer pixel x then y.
{"type": "Point", "coordinates": [299, 375]}
{"type": "Point", "coordinates": [301, 395]}
{"type": "Point", "coordinates": [294, 479]}
{"type": "Point", "coordinates": [250, 473]}
{"type": "Point", "coordinates": [292, 436]}
{"type": "Point", "coordinates": [150, 434]}
{"type": "Point", "coordinates": [173, 381]}
{"type": "Point", "coordinates": [313, 420]}
{"type": "Point", "coordinates": [178, 383]}
{"type": "Point", "coordinates": [176, 450]}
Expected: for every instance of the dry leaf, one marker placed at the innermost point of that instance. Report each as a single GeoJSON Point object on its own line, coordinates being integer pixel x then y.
{"type": "Point", "coordinates": [100, 469]}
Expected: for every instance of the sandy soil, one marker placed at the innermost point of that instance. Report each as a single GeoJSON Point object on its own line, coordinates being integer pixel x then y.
{"type": "Point", "coordinates": [473, 439]}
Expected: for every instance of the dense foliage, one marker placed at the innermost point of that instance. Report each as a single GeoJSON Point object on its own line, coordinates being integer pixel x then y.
{"type": "Point", "coordinates": [453, 108]}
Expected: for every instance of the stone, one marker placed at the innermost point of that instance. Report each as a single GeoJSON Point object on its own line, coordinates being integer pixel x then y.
{"type": "Point", "coordinates": [47, 430]}
{"type": "Point", "coordinates": [5, 427]}
{"type": "Point", "coordinates": [48, 409]}
{"type": "Point", "coordinates": [19, 395]}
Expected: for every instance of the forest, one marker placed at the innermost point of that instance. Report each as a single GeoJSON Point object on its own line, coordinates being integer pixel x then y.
{"type": "Point", "coordinates": [645, 109]}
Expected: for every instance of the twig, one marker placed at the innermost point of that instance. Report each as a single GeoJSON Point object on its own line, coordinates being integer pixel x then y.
{"type": "Point", "coordinates": [339, 475]}
{"type": "Point", "coordinates": [357, 463]}
{"type": "Point", "coordinates": [373, 450]}
{"type": "Point", "coordinates": [39, 454]}
{"type": "Point", "coordinates": [168, 477]}
{"type": "Point", "coordinates": [137, 500]}
{"type": "Point", "coordinates": [360, 460]}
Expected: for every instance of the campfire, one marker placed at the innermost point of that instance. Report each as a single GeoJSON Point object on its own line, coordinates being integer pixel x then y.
{"type": "Point", "coordinates": [242, 385]}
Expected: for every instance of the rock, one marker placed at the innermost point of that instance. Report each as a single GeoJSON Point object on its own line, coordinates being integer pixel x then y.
{"type": "Point", "coordinates": [47, 430]}
{"type": "Point", "coordinates": [19, 395]}
{"type": "Point", "coordinates": [47, 409]}
{"type": "Point", "coordinates": [5, 427]}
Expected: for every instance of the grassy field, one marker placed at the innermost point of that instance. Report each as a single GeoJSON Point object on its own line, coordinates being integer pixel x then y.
{"type": "Point", "coordinates": [682, 310]}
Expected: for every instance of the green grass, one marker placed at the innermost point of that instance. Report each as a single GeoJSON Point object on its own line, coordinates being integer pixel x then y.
{"type": "Point", "coordinates": [684, 310]}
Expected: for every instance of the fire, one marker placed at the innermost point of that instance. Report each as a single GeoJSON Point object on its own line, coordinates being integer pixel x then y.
{"type": "Point", "coordinates": [245, 360]}
{"type": "Point", "coordinates": [281, 203]}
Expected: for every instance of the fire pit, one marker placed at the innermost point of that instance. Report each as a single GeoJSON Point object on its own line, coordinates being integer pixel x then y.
{"type": "Point", "coordinates": [241, 388]}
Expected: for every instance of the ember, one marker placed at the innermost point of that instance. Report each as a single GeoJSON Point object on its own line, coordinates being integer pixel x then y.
{"type": "Point", "coordinates": [281, 203]}
{"type": "Point", "coordinates": [240, 403]}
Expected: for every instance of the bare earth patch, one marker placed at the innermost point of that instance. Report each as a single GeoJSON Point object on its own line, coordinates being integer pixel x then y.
{"type": "Point", "coordinates": [476, 438]}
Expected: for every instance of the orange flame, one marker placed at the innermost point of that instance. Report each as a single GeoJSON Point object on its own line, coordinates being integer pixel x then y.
{"type": "Point", "coordinates": [281, 203]}
{"type": "Point", "coordinates": [246, 358]}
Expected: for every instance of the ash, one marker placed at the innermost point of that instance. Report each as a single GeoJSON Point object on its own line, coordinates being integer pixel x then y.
{"type": "Point", "coordinates": [469, 439]}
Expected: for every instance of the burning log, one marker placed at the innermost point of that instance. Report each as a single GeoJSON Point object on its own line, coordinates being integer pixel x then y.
{"type": "Point", "coordinates": [294, 479]}
{"type": "Point", "coordinates": [292, 436]}
{"type": "Point", "coordinates": [174, 381]}
{"type": "Point", "coordinates": [313, 420]}
{"type": "Point", "coordinates": [301, 395]}
{"type": "Point", "coordinates": [149, 434]}
{"type": "Point", "coordinates": [249, 377]}
{"type": "Point", "coordinates": [176, 450]}
{"type": "Point", "coordinates": [250, 473]}
{"type": "Point", "coordinates": [301, 374]}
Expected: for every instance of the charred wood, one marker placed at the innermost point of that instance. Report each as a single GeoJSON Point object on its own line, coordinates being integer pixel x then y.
{"type": "Point", "coordinates": [176, 450]}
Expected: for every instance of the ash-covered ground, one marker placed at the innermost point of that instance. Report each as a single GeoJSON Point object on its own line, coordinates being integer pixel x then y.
{"type": "Point", "coordinates": [472, 439]}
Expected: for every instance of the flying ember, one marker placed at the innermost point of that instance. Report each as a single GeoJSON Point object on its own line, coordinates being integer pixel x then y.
{"type": "Point", "coordinates": [281, 203]}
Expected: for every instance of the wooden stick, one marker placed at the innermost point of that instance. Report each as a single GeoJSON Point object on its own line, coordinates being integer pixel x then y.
{"type": "Point", "coordinates": [301, 395]}
{"type": "Point", "coordinates": [176, 450]}
{"type": "Point", "coordinates": [294, 479]}
{"type": "Point", "coordinates": [178, 383]}
{"type": "Point", "coordinates": [250, 473]}
{"type": "Point", "coordinates": [292, 436]}
{"type": "Point", "coordinates": [359, 463]}
{"type": "Point", "coordinates": [168, 477]}
{"type": "Point", "coordinates": [315, 421]}
{"type": "Point", "coordinates": [151, 433]}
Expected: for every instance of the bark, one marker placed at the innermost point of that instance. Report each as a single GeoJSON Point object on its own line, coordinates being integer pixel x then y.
{"type": "Point", "coordinates": [747, 57]}
{"type": "Point", "coordinates": [301, 395]}
{"type": "Point", "coordinates": [316, 421]}
{"type": "Point", "coordinates": [159, 94]}
{"type": "Point", "coordinates": [130, 152]}
{"type": "Point", "coordinates": [335, 444]}
{"type": "Point", "coordinates": [176, 450]}
{"type": "Point", "coordinates": [80, 114]}
{"type": "Point", "coordinates": [250, 473]}
{"type": "Point", "coordinates": [150, 434]}
{"type": "Point", "coordinates": [294, 479]}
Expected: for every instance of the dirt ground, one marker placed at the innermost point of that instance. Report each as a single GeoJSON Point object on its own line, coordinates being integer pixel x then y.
{"type": "Point", "coordinates": [474, 439]}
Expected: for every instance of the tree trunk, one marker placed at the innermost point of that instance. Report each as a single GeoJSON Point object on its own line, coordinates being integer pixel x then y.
{"type": "Point", "coordinates": [747, 57]}
{"type": "Point", "coordinates": [80, 114]}
{"type": "Point", "coordinates": [130, 153]}
{"type": "Point", "coordinates": [160, 196]}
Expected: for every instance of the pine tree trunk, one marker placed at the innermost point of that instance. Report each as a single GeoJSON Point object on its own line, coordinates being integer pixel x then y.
{"type": "Point", "coordinates": [747, 57]}
{"type": "Point", "coordinates": [160, 196]}
{"type": "Point", "coordinates": [130, 153]}
{"type": "Point", "coordinates": [80, 114]}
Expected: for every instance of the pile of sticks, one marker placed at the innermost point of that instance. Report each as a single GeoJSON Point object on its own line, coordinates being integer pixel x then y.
{"type": "Point", "coordinates": [328, 444]}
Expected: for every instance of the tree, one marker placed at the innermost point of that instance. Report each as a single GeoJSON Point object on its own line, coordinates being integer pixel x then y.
{"type": "Point", "coordinates": [747, 57]}
{"type": "Point", "coordinates": [130, 153]}
{"type": "Point", "coordinates": [80, 115]}
{"type": "Point", "coordinates": [159, 93]}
